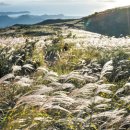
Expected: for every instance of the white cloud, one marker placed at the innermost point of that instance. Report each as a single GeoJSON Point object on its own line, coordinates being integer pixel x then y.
{"type": "Point", "coordinates": [62, 1]}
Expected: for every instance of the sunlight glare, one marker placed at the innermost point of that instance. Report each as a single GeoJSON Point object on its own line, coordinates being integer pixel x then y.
{"type": "Point", "coordinates": [118, 3]}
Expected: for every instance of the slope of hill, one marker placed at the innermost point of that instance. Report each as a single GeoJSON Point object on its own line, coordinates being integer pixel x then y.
{"type": "Point", "coordinates": [112, 22]}
{"type": "Point", "coordinates": [68, 79]}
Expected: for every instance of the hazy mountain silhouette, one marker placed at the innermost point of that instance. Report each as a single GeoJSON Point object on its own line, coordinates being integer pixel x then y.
{"type": "Point", "coordinates": [6, 20]}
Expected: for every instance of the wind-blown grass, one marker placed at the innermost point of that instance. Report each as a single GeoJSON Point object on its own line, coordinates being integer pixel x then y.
{"type": "Point", "coordinates": [65, 93]}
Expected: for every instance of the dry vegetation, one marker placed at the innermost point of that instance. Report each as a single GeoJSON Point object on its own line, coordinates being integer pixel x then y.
{"type": "Point", "coordinates": [71, 80]}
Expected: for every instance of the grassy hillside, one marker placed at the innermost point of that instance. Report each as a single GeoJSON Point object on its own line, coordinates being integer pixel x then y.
{"type": "Point", "coordinates": [57, 78]}
{"type": "Point", "coordinates": [112, 22]}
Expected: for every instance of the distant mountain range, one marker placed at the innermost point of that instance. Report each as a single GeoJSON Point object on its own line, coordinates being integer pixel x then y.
{"type": "Point", "coordinates": [6, 20]}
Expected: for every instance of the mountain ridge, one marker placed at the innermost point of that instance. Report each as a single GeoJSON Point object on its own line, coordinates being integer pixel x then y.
{"type": "Point", "coordinates": [7, 21]}
{"type": "Point", "coordinates": [112, 22]}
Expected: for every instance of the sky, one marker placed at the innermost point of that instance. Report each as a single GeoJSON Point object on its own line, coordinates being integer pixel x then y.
{"type": "Point", "coordinates": [66, 7]}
